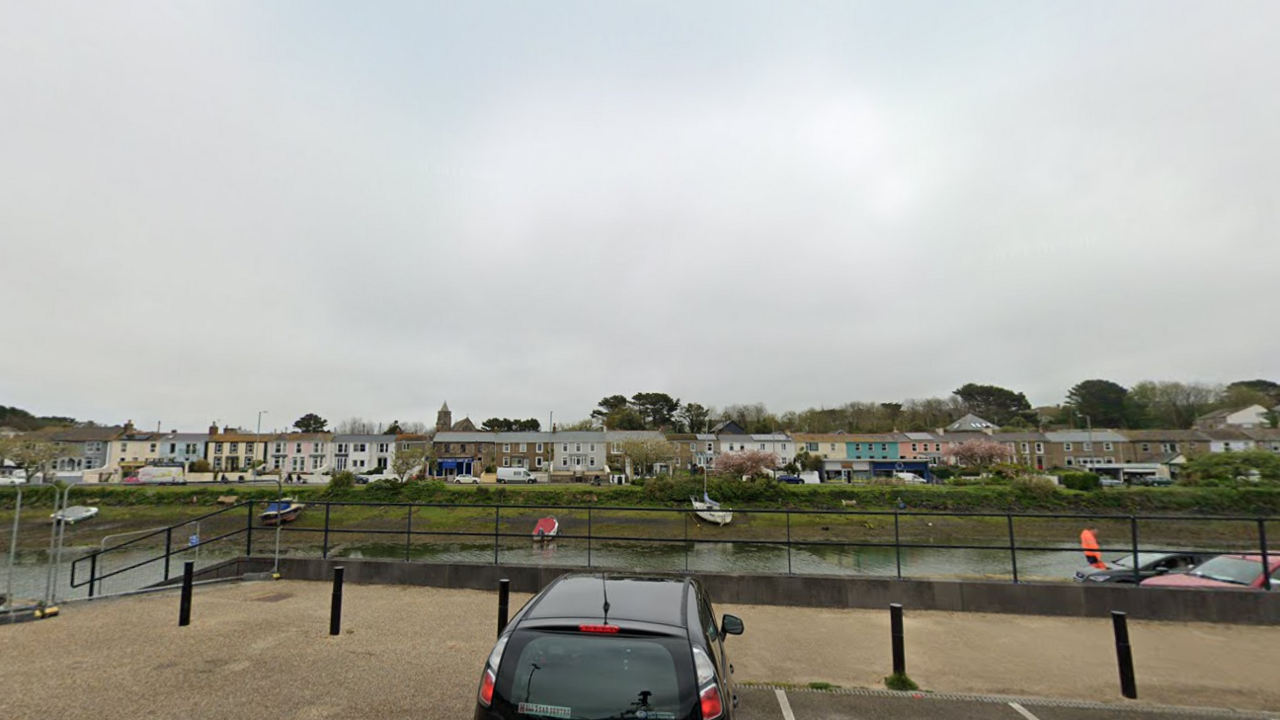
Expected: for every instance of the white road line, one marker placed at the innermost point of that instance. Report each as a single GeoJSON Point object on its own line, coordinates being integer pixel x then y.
{"type": "Point", "coordinates": [1023, 711]}
{"type": "Point", "coordinates": [786, 706]}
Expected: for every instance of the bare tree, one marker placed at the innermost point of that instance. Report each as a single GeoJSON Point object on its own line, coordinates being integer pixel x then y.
{"type": "Point", "coordinates": [416, 427]}
{"type": "Point", "coordinates": [35, 455]}
{"type": "Point", "coordinates": [644, 453]}
{"type": "Point", "coordinates": [358, 426]}
{"type": "Point", "coordinates": [408, 462]}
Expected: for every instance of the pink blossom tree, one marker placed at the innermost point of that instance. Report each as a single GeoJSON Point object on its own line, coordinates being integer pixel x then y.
{"type": "Point", "coordinates": [745, 463]}
{"type": "Point", "coordinates": [982, 453]}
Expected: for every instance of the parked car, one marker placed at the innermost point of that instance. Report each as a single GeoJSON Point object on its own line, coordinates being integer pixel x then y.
{"type": "Point", "coordinates": [1149, 565]}
{"type": "Point", "coordinates": [612, 646]}
{"type": "Point", "coordinates": [467, 480]}
{"type": "Point", "coordinates": [791, 479]}
{"type": "Point", "coordinates": [1224, 571]}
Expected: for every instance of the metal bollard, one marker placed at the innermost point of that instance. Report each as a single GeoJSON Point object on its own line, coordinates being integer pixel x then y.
{"type": "Point", "coordinates": [895, 629]}
{"type": "Point", "coordinates": [504, 593]}
{"type": "Point", "coordinates": [1124, 655]}
{"type": "Point", "coordinates": [184, 605]}
{"type": "Point", "coordinates": [335, 609]}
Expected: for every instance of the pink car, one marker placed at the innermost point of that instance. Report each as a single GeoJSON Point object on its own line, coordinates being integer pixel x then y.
{"type": "Point", "coordinates": [1230, 571]}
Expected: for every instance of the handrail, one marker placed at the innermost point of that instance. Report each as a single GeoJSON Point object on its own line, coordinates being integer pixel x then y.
{"type": "Point", "coordinates": [497, 534]}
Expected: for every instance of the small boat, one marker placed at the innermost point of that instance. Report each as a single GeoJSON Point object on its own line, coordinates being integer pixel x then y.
{"type": "Point", "coordinates": [709, 510]}
{"type": "Point", "coordinates": [546, 529]}
{"type": "Point", "coordinates": [74, 514]}
{"type": "Point", "coordinates": [278, 513]}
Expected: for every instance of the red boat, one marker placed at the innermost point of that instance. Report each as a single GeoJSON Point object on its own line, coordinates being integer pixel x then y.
{"type": "Point", "coordinates": [546, 529]}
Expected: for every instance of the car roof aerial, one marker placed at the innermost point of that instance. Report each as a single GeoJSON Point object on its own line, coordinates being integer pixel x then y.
{"type": "Point", "coordinates": [658, 599]}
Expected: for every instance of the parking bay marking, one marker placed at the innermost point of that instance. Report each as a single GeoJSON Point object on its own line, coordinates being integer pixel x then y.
{"type": "Point", "coordinates": [786, 705]}
{"type": "Point", "coordinates": [1023, 711]}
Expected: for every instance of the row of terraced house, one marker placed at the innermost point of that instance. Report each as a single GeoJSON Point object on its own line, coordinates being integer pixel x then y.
{"type": "Point", "coordinates": [111, 453]}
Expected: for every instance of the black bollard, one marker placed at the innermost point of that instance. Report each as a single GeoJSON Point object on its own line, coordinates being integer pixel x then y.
{"type": "Point", "coordinates": [335, 610]}
{"type": "Point", "coordinates": [504, 592]}
{"type": "Point", "coordinates": [184, 605]}
{"type": "Point", "coordinates": [1124, 655]}
{"type": "Point", "coordinates": [895, 628]}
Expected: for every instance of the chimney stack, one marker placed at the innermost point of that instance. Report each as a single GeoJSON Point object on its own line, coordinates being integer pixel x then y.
{"type": "Point", "coordinates": [128, 427]}
{"type": "Point", "coordinates": [213, 428]}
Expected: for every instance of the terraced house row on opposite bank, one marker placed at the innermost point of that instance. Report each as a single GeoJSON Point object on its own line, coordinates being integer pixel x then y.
{"type": "Point", "coordinates": [111, 453]}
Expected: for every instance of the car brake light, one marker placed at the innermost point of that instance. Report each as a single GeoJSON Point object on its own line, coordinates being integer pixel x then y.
{"type": "Point", "coordinates": [486, 688]}
{"type": "Point", "coordinates": [711, 705]}
{"type": "Point", "coordinates": [598, 628]}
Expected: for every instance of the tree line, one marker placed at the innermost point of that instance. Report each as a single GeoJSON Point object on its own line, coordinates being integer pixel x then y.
{"type": "Point", "coordinates": [1096, 402]}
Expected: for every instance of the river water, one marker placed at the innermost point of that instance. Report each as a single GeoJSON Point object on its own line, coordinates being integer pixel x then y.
{"type": "Point", "coordinates": [32, 574]}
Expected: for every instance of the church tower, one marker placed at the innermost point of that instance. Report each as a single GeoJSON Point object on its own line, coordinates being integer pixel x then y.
{"type": "Point", "coordinates": [444, 418]}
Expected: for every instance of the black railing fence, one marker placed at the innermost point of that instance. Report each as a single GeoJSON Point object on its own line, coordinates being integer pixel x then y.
{"type": "Point", "coordinates": [899, 532]}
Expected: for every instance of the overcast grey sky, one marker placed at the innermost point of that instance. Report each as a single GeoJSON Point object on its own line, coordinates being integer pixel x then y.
{"type": "Point", "coordinates": [210, 209]}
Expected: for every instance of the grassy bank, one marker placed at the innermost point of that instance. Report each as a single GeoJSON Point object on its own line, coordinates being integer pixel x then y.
{"type": "Point", "coordinates": [668, 493]}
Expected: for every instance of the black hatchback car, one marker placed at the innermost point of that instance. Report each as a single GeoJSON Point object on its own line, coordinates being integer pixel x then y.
{"type": "Point", "coordinates": [601, 646]}
{"type": "Point", "coordinates": [1150, 565]}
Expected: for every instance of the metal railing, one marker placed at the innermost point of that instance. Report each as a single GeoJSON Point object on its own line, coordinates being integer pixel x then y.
{"type": "Point", "coordinates": [579, 524]}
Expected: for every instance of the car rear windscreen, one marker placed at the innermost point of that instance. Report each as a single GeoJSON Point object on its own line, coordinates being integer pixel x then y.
{"type": "Point", "coordinates": [566, 674]}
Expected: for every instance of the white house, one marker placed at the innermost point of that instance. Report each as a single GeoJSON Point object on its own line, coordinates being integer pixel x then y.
{"type": "Point", "coordinates": [779, 444]}
{"type": "Point", "coordinates": [363, 453]}
{"type": "Point", "coordinates": [1254, 416]}
{"type": "Point", "coordinates": [1229, 440]}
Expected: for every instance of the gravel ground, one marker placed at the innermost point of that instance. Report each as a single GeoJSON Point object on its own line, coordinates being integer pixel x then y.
{"type": "Point", "coordinates": [262, 650]}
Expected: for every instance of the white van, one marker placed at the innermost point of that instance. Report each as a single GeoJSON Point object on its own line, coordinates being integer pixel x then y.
{"type": "Point", "coordinates": [518, 475]}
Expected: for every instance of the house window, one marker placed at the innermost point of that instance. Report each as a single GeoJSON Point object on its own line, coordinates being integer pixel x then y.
{"type": "Point", "coordinates": [1026, 447]}
{"type": "Point", "coordinates": [617, 448]}
{"type": "Point", "coordinates": [593, 447]}
{"type": "Point", "coordinates": [784, 447]}
{"type": "Point", "coordinates": [813, 447]}
{"type": "Point", "coordinates": [340, 463]}
{"type": "Point", "coordinates": [564, 462]}
{"type": "Point", "coordinates": [276, 462]}
{"type": "Point", "coordinates": [279, 448]}
{"type": "Point", "coordinates": [344, 448]}
{"type": "Point", "coordinates": [566, 447]}
{"type": "Point", "coordinates": [578, 447]}
{"type": "Point", "coordinates": [384, 448]}
{"type": "Point", "coordinates": [315, 462]}
{"type": "Point", "coordinates": [1070, 461]}
{"type": "Point", "coordinates": [761, 446]}
{"type": "Point", "coordinates": [1039, 448]}
{"type": "Point", "coordinates": [361, 447]}
{"type": "Point", "coordinates": [693, 447]}
{"type": "Point", "coordinates": [539, 447]}
{"type": "Point", "coordinates": [1110, 460]}
{"type": "Point", "coordinates": [1088, 447]}
{"type": "Point", "coordinates": [1108, 446]}
{"type": "Point", "coordinates": [217, 448]}
{"type": "Point", "coordinates": [506, 462]}
{"type": "Point", "coordinates": [297, 448]}
{"type": "Point", "coordinates": [524, 447]}
{"type": "Point", "coordinates": [462, 447]}
{"type": "Point", "coordinates": [711, 448]}
{"type": "Point", "coordinates": [1146, 447]}
{"type": "Point", "coordinates": [506, 447]}
{"type": "Point", "coordinates": [233, 448]}
{"type": "Point", "coordinates": [217, 463]}
{"type": "Point", "coordinates": [1066, 447]}
{"type": "Point", "coordinates": [191, 448]}
{"type": "Point", "coordinates": [591, 461]}
{"type": "Point", "coordinates": [317, 447]}
{"type": "Point", "coordinates": [539, 462]}
{"type": "Point", "coordinates": [357, 463]}
{"type": "Point", "coordinates": [577, 461]}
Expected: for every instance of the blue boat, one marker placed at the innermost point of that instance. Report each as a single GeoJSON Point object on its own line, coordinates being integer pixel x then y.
{"type": "Point", "coordinates": [278, 513]}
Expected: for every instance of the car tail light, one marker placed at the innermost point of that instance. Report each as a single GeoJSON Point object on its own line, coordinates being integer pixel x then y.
{"type": "Point", "coordinates": [598, 628]}
{"type": "Point", "coordinates": [711, 705]}
{"type": "Point", "coordinates": [486, 688]}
